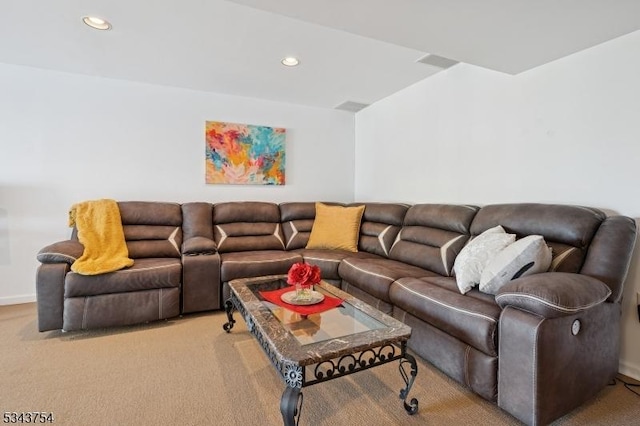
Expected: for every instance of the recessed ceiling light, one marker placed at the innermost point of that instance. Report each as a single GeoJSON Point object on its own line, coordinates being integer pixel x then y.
{"type": "Point", "coordinates": [290, 61]}
{"type": "Point", "coordinates": [97, 23]}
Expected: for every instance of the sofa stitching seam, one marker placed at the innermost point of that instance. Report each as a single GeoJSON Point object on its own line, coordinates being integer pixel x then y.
{"type": "Point", "coordinates": [260, 261]}
{"type": "Point", "coordinates": [58, 254]}
{"type": "Point", "coordinates": [133, 270]}
{"type": "Point", "coordinates": [534, 382]}
{"type": "Point", "coordinates": [84, 313]}
{"type": "Point", "coordinates": [369, 272]}
{"type": "Point", "coordinates": [322, 259]}
{"type": "Point", "coordinates": [475, 314]}
{"type": "Point", "coordinates": [556, 306]}
{"type": "Point", "coordinates": [466, 366]}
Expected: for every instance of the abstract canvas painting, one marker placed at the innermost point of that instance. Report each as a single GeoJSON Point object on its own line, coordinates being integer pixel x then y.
{"type": "Point", "coordinates": [244, 154]}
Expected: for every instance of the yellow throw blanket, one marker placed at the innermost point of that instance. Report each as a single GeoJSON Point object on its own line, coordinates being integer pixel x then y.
{"type": "Point", "coordinates": [100, 232]}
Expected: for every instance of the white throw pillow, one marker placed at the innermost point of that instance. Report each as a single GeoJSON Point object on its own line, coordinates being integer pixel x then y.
{"type": "Point", "coordinates": [528, 255]}
{"type": "Point", "coordinates": [473, 257]}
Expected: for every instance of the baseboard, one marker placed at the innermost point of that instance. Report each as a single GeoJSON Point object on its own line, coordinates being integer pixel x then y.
{"type": "Point", "coordinates": [17, 300]}
{"type": "Point", "coordinates": [630, 370]}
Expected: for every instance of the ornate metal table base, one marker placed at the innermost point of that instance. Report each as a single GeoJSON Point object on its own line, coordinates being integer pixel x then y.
{"type": "Point", "coordinates": [291, 401]}
{"type": "Point", "coordinates": [296, 376]}
{"type": "Point", "coordinates": [412, 406]}
{"type": "Point", "coordinates": [229, 307]}
{"type": "Point", "coordinates": [291, 406]}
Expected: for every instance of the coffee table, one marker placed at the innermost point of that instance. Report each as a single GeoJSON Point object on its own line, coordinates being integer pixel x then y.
{"type": "Point", "coordinates": [310, 349]}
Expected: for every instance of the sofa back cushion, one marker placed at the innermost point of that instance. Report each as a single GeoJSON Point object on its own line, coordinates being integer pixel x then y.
{"type": "Point", "coordinates": [197, 229]}
{"type": "Point", "coordinates": [432, 235]}
{"type": "Point", "coordinates": [247, 226]}
{"type": "Point", "coordinates": [197, 220]}
{"type": "Point", "coordinates": [610, 253]}
{"type": "Point", "coordinates": [568, 230]}
{"type": "Point", "coordinates": [151, 229]}
{"type": "Point", "coordinates": [380, 226]}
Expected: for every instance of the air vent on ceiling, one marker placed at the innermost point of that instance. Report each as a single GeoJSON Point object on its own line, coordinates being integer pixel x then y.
{"type": "Point", "coordinates": [437, 61]}
{"type": "Point", "coordinates": [352, 106]}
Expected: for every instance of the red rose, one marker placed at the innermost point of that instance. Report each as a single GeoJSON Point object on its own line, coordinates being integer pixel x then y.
{"type": "Point", "coordinates": [315, 274]}
{"type": "Point", "coordinates": [303, 274]}
{"type": "Point", "coordinates": [298, 274]}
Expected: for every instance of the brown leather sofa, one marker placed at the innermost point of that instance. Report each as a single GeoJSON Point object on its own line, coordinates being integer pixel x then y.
{"type": "Point", "coordinates": [540, 347]}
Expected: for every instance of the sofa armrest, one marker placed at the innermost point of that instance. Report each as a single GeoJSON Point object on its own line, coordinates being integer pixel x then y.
{"type": "Point", "coordinates": [553, 294]}
{"type": "Point", "coordinates": [201, 287]}
{"type": "Point", "coordinates": [61, 252]}
{"type": "Point", "coordinates": [195, 246]}
{"type": "Point", "coordinates": [50, 294]}
{"type": "Point", "coordinates": [548, 367]}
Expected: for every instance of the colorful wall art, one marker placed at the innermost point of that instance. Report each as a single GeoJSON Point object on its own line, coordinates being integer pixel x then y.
{"type": "Point", "coordinates": [244, 154]}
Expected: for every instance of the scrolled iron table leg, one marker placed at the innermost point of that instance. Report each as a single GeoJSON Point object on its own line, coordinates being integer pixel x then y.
{"type": "Point", "coordinates": [228, 306]}
{"type": "Point", "coordinates": [291, 406]}
{"type": "Point", "coordinates": [409, 378]}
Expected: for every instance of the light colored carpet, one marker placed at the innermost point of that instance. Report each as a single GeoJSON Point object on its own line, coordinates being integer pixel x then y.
{"type": "Point", "coordinates": [188, 371]}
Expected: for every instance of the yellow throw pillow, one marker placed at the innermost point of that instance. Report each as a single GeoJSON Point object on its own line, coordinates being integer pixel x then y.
{"type": "Point", "coordinates": [336, 227]}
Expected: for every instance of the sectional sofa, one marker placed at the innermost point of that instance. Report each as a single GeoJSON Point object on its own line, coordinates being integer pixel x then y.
{"type": "Point", "coordinates": [543, 345]}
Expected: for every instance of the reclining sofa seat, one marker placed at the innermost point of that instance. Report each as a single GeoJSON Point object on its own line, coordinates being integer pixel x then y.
{"type": "Point", "coordinates": [147, 291]}
{"type": "Point", "coordinates": [249, 239]}
{"type": "Point", "coordinates": [426, 244]}
{"type": "Point", "coordinates": [380, 224]}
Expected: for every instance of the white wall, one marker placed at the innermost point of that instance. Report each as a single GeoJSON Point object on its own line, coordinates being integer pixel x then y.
{"type": "Point", "coordinates": [67, 138]}
{"type": "Point", "coordinates": [566, 132]}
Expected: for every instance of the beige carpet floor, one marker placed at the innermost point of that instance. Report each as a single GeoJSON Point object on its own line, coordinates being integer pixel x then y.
{"type": "Point", "coordinates": [188, 371]}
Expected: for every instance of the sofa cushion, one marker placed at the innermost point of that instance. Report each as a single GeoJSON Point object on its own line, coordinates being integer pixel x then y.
{"type": "Point", "coordinates": [449, 283]}
{"type": "Point", "coordinates": [256, 263]}
{"type": "Point", "coordinates": [474, 256]}
{"type": "Point", "coordinates": [151, 229]}
{"type": "Point", "coordinates": [381, 223]}
{"type": "Point", "coordinates": [379, 227]}
{"type": "Point", "coordinates": [432, 235]}
{"type": "Point", "coordinates": [375, 275]}
{"type": "Point", "coordinates": [568, 230]}
{"type": "Point", "coordinates": [145, 274]}
{"type": "Point", "coordinates": [153, 240]}
{"type": "Point", "coordinates": [470, 320]}
{"type": "Point", "coordinates": [528, 255]}
{"type": "Point", "coordinates": [336, 228]}
{"type": "Point", "coordinates": [297, 221]}
{"type": "Point", "coordinates": [153, 213]}
{"type": "Point", "coordinates": [329, 260]}
{"type": "Point", "coordinates": [197, 220]}
{"type": "Point", "coordinates": [247, 226]}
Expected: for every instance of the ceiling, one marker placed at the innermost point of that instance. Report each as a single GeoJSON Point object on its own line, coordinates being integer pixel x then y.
{"type": "Point", "coordinates": [350, 50]}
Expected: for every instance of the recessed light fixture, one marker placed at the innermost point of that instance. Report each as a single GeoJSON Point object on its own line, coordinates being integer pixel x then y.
{"type": "Point", "coordinates": [290, 61]}
{"type": "Point", "coordinates": [97, 23]}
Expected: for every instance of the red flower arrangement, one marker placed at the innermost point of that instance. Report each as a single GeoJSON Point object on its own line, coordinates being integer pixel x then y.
{"type": "Point", "coordinates": [304, 275]}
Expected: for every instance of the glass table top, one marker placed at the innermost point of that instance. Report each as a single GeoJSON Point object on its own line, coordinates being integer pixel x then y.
{"type": "Point", "coordinates": [353, 326]}
{"type": "Point", "coordinates": [342, 321]}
